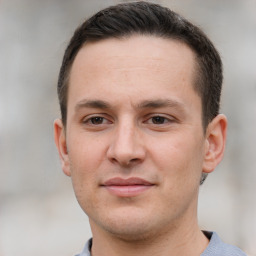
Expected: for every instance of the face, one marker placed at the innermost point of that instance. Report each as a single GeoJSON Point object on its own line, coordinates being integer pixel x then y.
{"type": "Point", "coordinates": [134, 144]}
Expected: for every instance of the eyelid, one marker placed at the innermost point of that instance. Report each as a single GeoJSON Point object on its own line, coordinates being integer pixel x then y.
{"type": "Point", "coordinates": [169, 118]}
{"type": "Point", "coordinates": [88, 118]}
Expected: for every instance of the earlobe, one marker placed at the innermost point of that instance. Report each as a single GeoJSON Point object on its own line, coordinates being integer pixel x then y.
{"type": "Point", "coordinates": [215, 143]}
{"type": "Point", "coordinates": [60, 141]}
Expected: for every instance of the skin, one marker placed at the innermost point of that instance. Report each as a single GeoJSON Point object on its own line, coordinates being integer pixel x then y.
{"type": "Point", "coordinates": [133, 112]}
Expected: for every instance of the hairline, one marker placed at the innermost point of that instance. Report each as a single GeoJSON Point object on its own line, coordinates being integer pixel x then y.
{"type": "Point", "coordinates": [197, 68]}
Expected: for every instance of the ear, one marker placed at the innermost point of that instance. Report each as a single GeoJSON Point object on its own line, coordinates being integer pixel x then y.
{"type": "Point", "coordinates": [215, 143]}
{"type": "Point", "coordinates": [60, 141]}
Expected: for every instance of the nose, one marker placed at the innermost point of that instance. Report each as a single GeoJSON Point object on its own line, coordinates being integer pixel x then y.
{"type": "Point", "coordinates": [126, 147]}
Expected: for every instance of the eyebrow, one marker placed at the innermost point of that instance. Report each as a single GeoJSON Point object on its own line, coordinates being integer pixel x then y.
{"type": "Point", "coordinates": [158, 103]}
{"type": "Point", "coordinates": [92, 104]}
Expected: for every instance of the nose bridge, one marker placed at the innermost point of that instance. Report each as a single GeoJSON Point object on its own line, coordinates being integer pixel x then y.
{"type": "Point", "coordinates": [126, 145]}
{"type": "Point", "coordinates": [125, 137]}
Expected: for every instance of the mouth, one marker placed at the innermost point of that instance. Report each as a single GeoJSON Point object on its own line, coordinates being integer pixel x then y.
{"type": "Point", "coordinates": [127, 187]}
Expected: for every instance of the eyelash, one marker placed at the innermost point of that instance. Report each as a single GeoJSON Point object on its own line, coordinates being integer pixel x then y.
{"type": "Point", "coordinates": [163, 120]}
{"type": "Point", "coordinates": [93, 120]}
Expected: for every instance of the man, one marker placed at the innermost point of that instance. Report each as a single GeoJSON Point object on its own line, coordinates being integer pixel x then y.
{"type": "Point", "coordinates": [139, 91]}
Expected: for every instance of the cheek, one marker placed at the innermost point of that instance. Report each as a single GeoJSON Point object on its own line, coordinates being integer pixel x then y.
{"type": "Point", "coordinates": [180, 166]}
{"type": "Point", "coordinates": [85, 159]}
{"type": "Point", "coordinates": [85, 152]}
{"type": "Point", "coordinates": [179, 158]}
{"type": "Point", "coordinates": [83, 165]}
{"type": "Point", "coordinates": [83, 178]}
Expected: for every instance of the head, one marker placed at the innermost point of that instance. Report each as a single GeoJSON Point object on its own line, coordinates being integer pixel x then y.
{"type": "Point", "coordinates": [139, 91]}
{"type": "Point", "coordinates": [142, 18]}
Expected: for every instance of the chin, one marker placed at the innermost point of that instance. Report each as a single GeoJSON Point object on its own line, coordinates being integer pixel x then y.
{"type": "Point", "coordinates": [129, 227]}
{"type": "Point", "coordinates": [131, 233]}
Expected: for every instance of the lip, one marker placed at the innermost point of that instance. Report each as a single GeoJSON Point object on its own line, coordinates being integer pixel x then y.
{"type": "Point", "coordinates": [130, 187]}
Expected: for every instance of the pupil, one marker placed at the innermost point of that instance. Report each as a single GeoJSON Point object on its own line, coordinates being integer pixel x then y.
{"type": "Point", "coordinates": [97, 120]}
{"type": "Point", "coordinates": [158, 120]}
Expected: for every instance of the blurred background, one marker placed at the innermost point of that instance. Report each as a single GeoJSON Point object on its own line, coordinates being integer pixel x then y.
{"type": "Point", "coordinates": [39, 214]}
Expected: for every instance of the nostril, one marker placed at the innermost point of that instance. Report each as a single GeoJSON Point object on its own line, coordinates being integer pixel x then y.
{"type": "Point", "coordinates": [125, 161]}
{"type": "Point", "coordinates": [134, 160]}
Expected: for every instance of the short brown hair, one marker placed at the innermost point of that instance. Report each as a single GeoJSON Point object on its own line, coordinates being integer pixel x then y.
{"type": "Point", "coordinates": [145, 18]}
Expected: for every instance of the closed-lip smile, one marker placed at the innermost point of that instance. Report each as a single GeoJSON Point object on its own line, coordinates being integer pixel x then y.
{"type": "Point", "coordinates": [130, 187]}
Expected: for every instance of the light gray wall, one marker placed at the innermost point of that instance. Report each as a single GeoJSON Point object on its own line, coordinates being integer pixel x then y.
{"type": "Point", "coordinates": [38, 211]}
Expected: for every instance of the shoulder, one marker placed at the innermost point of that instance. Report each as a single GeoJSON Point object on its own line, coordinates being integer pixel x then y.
{"type": "Point", "coordinates": [218, 248]}
{"type": "Point", "coordinates": [87, 249]}
{"type": "Point", "coordinates": [215, 248]}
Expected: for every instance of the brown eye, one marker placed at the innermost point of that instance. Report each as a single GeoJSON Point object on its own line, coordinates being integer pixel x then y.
{"type": "Point", "coordinates": [158, 120]}
{"type": "Point", "coordinates": [97, 120]}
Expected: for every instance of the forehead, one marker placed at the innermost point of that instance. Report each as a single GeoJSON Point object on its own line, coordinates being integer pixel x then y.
{"type": "Point", "coordinates": [139, 47]}
{"type": "Point", "coordinates": [137, 63]}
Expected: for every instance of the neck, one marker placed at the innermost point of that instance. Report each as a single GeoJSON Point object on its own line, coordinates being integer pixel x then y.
{"type": "Point", "coordinates": [188, 240]}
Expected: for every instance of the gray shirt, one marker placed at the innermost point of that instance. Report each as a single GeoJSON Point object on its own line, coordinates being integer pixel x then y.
{"type": "Point", "coordinates": [215, 248]}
